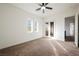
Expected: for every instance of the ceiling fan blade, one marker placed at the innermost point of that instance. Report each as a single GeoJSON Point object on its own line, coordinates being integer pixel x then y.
{"type": "Point", "coordinates": [38, 9]}
{"type": "Point", "coordinates": [49, 8]}
{"type": "Point", "coordinates": [40, 5]}
{"type": "Point", "coordinates": [46, 4]}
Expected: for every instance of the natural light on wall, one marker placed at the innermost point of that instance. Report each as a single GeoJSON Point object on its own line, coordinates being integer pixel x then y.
{"type": "Point", "coordinates": [71, 29]}
{"type": "Point", "coordinates": [36, 26]}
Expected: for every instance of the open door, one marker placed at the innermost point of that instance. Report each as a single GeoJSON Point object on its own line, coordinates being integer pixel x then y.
{"type": "Point", "coordinates": [46, 29]}
{"type": "Point", "coordinates": [49, 30]}
{"type": "Point", "coordinates": [70, 28]}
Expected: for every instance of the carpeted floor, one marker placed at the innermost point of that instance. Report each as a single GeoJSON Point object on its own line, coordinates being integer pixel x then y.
{"type": "Point", "coordinates": [42, 47]}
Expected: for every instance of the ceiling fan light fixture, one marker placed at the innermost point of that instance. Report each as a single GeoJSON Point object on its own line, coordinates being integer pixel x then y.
{"type": "Point", "coordinates": [43, 8]}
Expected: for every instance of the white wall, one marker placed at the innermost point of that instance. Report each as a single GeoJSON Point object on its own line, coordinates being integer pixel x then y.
{"type": "Point", "coordinates": [13, 26]}
{"type": "Point", "coordinates": [58, 27]}
{"type": "Point", "coordinates": [59, 23]}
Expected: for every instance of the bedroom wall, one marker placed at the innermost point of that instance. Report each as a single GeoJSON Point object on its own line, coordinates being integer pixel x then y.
{"type": "Point", "coordinates": [59, 23]}
{"type": "Point", "coordinates": [13, 26]}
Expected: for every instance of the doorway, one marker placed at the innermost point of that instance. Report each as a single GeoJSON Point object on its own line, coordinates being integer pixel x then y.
{"type": "Point", "coordinates": [49, 30]}
{"type": "Point", "coordinates": [70, 28]}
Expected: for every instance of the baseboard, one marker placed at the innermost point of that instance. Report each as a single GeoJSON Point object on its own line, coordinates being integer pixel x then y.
{"type": "Point", "coordinates": [19, 43]}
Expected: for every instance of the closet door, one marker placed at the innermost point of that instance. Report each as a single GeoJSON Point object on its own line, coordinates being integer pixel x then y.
{"type": "Point", "coordinates": [70, 28]}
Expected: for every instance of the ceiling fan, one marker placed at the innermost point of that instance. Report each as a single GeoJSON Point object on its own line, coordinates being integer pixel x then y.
{"type": "Point", "coordinates": [43, 6]}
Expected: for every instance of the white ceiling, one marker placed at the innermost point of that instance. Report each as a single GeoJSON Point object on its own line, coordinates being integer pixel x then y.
{"type": "Point", "coordinates": [57, 7]}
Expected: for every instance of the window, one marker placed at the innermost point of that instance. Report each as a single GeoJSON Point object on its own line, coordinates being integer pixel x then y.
{"type": "Point", "coordinates": [29, 25]}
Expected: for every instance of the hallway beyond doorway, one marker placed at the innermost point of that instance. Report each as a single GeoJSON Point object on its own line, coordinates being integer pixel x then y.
{"type": "Point", "coordinates": [49, 30]}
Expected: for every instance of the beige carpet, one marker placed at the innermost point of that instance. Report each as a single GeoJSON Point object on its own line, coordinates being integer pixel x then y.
{"type": "Point", "coordinates": [42, 47]}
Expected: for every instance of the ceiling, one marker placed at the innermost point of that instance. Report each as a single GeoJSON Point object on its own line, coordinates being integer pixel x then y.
{"type": "Point", "coordinates": [57, 7]}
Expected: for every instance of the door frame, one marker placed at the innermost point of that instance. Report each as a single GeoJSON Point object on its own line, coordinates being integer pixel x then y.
{"type": "Point", "coordinates": [49, 28]}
